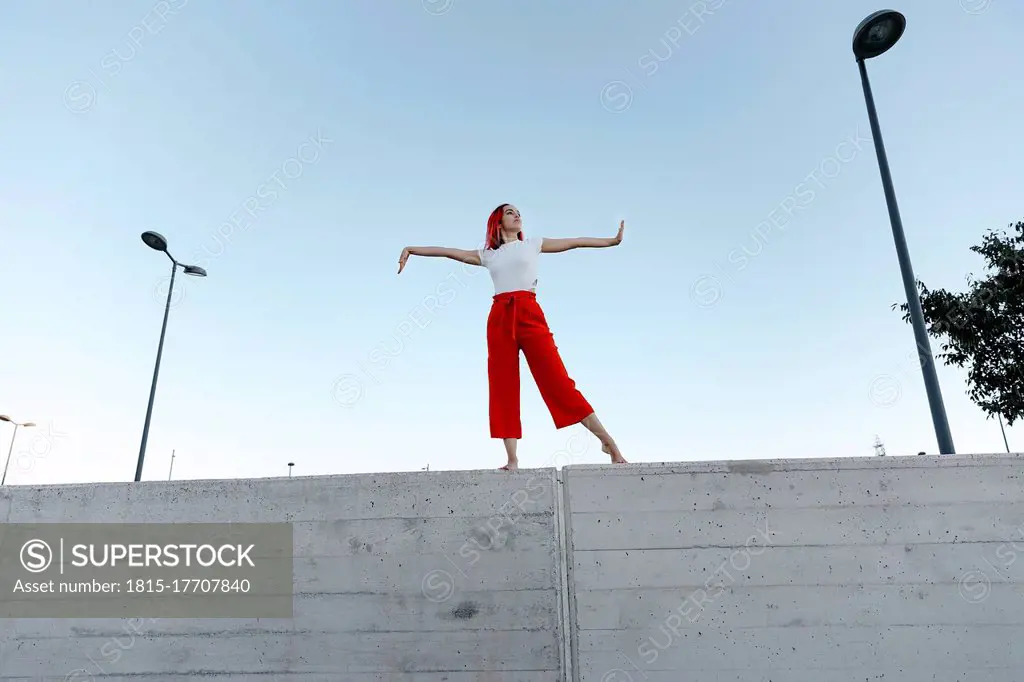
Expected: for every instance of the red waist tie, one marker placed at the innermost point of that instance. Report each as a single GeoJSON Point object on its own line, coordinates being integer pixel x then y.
{"type": "Point", "coordinates": [509, 299]}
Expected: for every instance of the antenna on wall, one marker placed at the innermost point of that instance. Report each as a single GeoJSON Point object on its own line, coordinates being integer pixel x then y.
{"type": "Point", "coordinates": [172, 466]}
{"type": "Point", "coordinates": [290, 465]}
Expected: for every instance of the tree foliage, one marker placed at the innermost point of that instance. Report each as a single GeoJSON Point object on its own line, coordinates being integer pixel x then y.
{"type": "Point", "coordinates": [982, 329]}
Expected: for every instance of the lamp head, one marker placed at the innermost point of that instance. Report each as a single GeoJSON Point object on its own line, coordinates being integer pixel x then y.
{"type": "Point", "coordinates": [195, 271]}
{"type": "Point", "coordinates": [5, 418]}
{"type": "Point", "coordinates": [155, 240]}
{"type": "Point", "coordinates": [877, 33]}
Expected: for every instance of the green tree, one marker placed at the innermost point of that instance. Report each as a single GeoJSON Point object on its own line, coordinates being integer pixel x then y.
{"type": "Point", "coordinates": [982, 328]}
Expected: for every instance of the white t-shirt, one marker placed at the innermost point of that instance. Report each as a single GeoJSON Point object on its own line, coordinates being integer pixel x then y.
{"type": "Point", "coordinates": [513, 265]}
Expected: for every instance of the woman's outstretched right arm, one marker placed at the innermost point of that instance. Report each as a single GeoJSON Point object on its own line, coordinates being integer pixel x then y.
{"type": "Point", "coordinates": [461, 255]}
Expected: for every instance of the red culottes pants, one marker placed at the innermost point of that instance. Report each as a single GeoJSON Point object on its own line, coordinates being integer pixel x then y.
{"type": "Point", "coordinates": [516, 322]}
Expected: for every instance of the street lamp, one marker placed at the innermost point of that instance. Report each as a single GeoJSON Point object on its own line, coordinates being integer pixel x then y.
{"type": "Point", "coordinates": [157, 242]}
{"type": "Point", "coordinates": [874, 36]}
{"type": "Point", "coordinates": [5, 418]}
{"type": "Point", "coordinates": [1005, 442]}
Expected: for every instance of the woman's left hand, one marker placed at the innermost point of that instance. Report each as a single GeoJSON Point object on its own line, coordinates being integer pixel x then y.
{"type": "Point", "coordinates": [617, 239]}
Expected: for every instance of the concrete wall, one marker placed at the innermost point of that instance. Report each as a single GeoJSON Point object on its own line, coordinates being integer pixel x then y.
{"type": "Point", "coordinates": [423, 577]}
{"type": "Point", "coordinates": [899, 569]}
{"type": "Point", "coordinates": [872, 569]}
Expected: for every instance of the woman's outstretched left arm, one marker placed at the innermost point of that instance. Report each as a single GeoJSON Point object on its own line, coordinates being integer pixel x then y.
{"type": "Point", "coordinates": [559, 245]}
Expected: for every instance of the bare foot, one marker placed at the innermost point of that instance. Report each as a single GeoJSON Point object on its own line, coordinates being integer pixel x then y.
{"type": "Point", "coordinates": [613, 450]}
{"type": "Point", "coordinates": [511, 466]}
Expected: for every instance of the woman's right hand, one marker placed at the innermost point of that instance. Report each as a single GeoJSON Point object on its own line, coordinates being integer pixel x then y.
{"type": "Point", "coordinates": [402, 259]}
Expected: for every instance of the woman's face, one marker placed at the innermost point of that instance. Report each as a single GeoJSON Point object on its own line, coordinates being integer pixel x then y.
{"type": "Point", "coordinates": [511, 220]}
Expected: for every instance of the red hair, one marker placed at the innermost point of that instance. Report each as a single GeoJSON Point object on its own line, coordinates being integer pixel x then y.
{"type": "Point", "coordinates": [493, 237]}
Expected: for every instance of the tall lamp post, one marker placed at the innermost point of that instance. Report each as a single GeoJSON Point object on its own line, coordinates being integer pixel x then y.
{"type": "Point", "coordinates": [873, 36]}
{"type": "Point", "coordinates": [5, 418]}
{"type": "Point", "coordinates": [157, 242]}
{"type": "Point", "coordinates": [1005, 442]}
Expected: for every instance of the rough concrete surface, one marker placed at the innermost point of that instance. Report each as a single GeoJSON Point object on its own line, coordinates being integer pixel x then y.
{"type": "Point", "coordinates": [900, 569]}
{"type": "Point", "coordinates": [417, 577]}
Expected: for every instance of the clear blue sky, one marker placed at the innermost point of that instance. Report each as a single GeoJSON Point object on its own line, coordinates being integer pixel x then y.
{"type": "Point", "coordinates": [127, 116]}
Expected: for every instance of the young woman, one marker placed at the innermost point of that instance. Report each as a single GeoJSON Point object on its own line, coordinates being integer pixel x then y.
{"type": "Point", "coordinates": [516, 322]}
